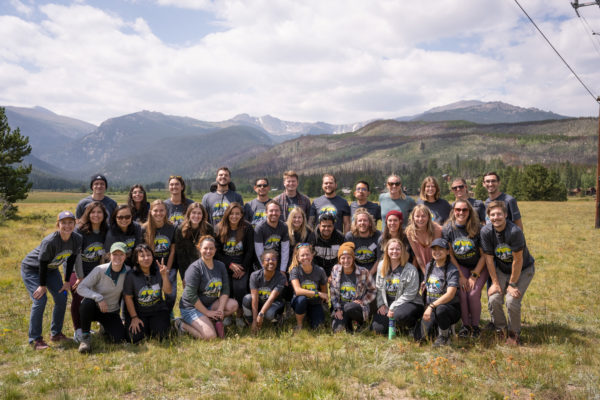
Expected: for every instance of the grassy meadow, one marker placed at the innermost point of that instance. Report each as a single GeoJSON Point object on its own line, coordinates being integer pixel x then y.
{"type": "Point", "coordinates": [559, 359]}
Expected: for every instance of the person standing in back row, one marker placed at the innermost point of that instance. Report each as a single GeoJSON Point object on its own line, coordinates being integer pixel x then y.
{"type": "Point", "coordinates": [362, 191]}
{"type": "Point", "coordinates": [177, 204]}
{"type": "Point", "coordinates": [395, 199]}
{"type": "Point", "coordinates": [461, 192]}
{"type": "Point", "coordinates": [221, 195]}
{"type": "Point", "coordinates": [98, 184]}
{"type": "Point", "coordinates": [255, 211]}
{"type": "Point", "coordinates": [491, 181]}
{"type": "Point", "coordinates": [331, 203]}
{"type": "Point", "coordinates": [291, 197]}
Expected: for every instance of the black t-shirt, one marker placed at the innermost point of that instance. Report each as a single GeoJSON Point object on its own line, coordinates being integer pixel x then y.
{"type": "Point", "coordinates": [264, 287]}
{"type": "Point", "coordinates": [502, 245]}
{"type": "Point", "coordinates": [176, 212]}
{"type": "Point", "coordinates": [92, 250]}
{"type": "Point", "coordinates": [466, 249]}
{"type": "Point", "coordinates": [146, 292]}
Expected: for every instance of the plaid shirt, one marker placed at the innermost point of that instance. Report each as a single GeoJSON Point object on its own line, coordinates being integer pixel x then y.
{"type": "Point", "coordinates": [284, 202]}
{"type": "Point", "coordinates": [365, 288]}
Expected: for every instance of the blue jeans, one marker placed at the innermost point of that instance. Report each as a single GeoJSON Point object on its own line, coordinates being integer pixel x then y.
{"type": "Point", "coordinates": [302, 305]}
{"type": "Point", "coordinates": [54, 283]}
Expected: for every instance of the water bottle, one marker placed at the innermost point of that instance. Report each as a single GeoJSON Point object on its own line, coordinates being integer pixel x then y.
{"type": "Point", "coordinates": [391, 329]}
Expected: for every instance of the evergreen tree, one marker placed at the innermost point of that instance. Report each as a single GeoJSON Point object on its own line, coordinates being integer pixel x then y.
{"type": "Point", "coordinates": [13, 175]}
{"type": "Point", "coordinates": [481, 193]}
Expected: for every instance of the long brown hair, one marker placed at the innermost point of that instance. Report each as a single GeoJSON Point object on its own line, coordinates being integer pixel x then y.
{"type": "Point", "coordinates": [472, 226]}
{"type": "Point", "coordinates": [411, 229]}
{"type": "Point", "coordinates": [224, 226]}
{"type": "Point", "coordinates": [85, 225]}
{"type": "Point", "coordinates": [186, 226]}
{"type": "Point", "coordinates": [430, 179]}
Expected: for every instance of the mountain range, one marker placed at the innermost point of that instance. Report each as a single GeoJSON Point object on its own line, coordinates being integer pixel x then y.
{"type": "Point", "coordinates": [148, 146]}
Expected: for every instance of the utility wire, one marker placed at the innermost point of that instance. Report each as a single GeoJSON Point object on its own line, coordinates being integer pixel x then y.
{"type": "Point", "coordinates": [596, 99]}
{"type": "Point", "coordinates": [591, 32]}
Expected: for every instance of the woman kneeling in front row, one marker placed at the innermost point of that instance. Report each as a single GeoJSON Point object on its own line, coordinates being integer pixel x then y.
{"type": "Point", "coordinates": [352, 291]}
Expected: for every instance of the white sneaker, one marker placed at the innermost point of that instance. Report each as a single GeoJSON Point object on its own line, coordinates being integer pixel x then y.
{"type": "Point", "coordinates": [77, 336]}
{"type": "Point", "coordinates": [227, 321]}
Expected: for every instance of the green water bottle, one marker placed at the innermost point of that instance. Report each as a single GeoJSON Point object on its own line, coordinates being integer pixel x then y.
{"type": "Point", "coordinates": [391, 329]}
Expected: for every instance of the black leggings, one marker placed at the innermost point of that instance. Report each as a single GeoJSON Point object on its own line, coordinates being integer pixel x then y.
{"type": "Point", "coordinates": [110, 321]}
{"type": "Point", "coordinates": [350, 312]}
{"type": "Point", "coordinates": [406, 316]}
{"type": "Point", "coordinates": [156, 325]}
{"type": "Point", "coordinates": [444, 316]}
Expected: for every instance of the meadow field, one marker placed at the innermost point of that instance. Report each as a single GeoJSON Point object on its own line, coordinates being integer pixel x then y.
{"type": "Point", "coordinates": [559, 358]}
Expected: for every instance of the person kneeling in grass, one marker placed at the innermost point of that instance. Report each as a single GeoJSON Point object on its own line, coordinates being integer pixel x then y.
{"type": "Point", "coordinates": [264, 301]}
{"type": "Point", "coordinates": [205, 301]}
{"type": "Point", "coordinates": [101, 291]}
{"type": "Point", "coordinates": [441, 284]}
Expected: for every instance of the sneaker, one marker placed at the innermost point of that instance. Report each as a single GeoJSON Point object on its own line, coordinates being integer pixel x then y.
{"type": "Point", "coordinates": [77, 335]}
{"type": "Point", "coordinates": [86, 344]}
{"type": "Point", "coordinates": [219, 327]}
{"type": "Point", "coordinates": [39, 344]}
{"type": "Point", "coordinates": [227, 321]}
{"type": "Point", "coordinates": [442, 340]}
{"type": "Point", "coordinates": [476, 332]}
{"type": "Point", "coordinates": [240, 323]}
{"type": "Point", "coordinates": [512, 339]}
{"type": "Point", "coordinates": [500, 334]}
{"type": "Point", "coordinates": [489, 327]}
{"type": "Point", "coordinates": [59, 338]}
{"type": "Point", "coordinates": [465, 332]}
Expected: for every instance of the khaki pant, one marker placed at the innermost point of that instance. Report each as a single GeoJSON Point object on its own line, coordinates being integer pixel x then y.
{"type": "Point", "coordinates": [513, 305]}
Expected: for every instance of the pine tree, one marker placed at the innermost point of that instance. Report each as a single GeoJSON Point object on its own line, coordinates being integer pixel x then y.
{"type": "Point", "coordinates": [13, 175]}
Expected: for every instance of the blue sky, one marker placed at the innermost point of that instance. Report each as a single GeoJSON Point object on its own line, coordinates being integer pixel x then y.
{"type": "Point", "coordinates": [335, 61]}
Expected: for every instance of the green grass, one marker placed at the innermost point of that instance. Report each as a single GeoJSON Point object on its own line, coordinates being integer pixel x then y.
{"type": "Point", "coordinates": [560, 358]}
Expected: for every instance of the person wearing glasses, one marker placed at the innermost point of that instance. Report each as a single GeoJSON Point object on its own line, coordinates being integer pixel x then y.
{"type": "Point", "coordinates": [461, 192]}
{"type": "Point", "coordinates": [430, 196]}
{"type": "Point", "coordinates": [264, 302]}
{"type": "Point", "coordinates": [177, 204]}
{"type": "Point", "coordinates": [122, 228]}
{"type": "Point", "coordinates": [491, 181]}
{"type": "Point", "coordinates": [362, 191]}
{"type": "Point", "coordinates": [255, 211]}
{"type": "Point", "coordinates": [395, 199]}
{"type": "Point", "coordinates": [462, 233]}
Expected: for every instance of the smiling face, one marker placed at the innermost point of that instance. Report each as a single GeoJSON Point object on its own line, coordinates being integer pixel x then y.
{"type": "Point", "coordinates": [159, 214]}
{"type": "Point", "coordinates": [305, 256]}
{"type": "Point", "coordinates": [269, 262]}
{"type": "Point", "coordinates": [98, 187]}
{"type": "Point", "coordinates": [66, 226]}
{"type": "Point", "coordinates": [329, 186]}
{"type": "Point", "coordinates": [144, 259]}
{"type": "Point", "coordinates": [326, 229]}
{"type": "Point", "coordinates": [498, 218]}
{"type": "Point", "coordinates": [273, 213]}
{"type": "Point", "coordinates": [421, 219]}
{"type": "Point", "coordinates": [395, 251]}
{"type": "Point", "coordinates": [439, 254]}
{"type": "Point", "coordinates": [297, 220]}
{"type": "Point", "coordinates": [460, 190]}
{"type": "Point", "coordinates": [196, 216]}
{"type": "Point", "coordinates": [393, 224]}
{"type": "Point", "coordinates": [491, 184]}
{"type": "Point", "coordinates": [363, 223]}
{"type": "Point", "coordinates": [394, 185]}
{"type": "Point", "coordinates": [207, 250]}
{"type": "Point", "coordinates": [430, 191]}
{"type": "Point", "coordinates": [461, 212]}
{"type": "Point", "coordinates": [96, 216]}
{"type": "Point", "coordinates": [290, 183]}
{"type": "Point", "coordinates": [175, 187]}
{"type": "Point", "coordinates": [262, 188]}
{"type": "Point", "coordinates": [123, 218]}
{"type": "Point", "coordinates": [223, 177]}
{"type": "Point", "coordinates": [235, 216]}
{"type": "Point", "coordinates": [137, 195]}
{"type": "Point", "coordinates": [117, 258]}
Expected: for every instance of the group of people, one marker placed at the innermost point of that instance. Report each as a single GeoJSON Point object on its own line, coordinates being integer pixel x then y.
{"type": "Point", "coordinates": [246, 263]}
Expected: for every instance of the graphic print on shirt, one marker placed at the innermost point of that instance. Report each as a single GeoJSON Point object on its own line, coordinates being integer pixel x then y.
{"type": "Point", "coordinates": [504, 253]}
{"type": "Point", "coordinates": [463, 248]}
{"type": "Point", "coordinates": [392, 284]}
{"type": "Point", "coordinates": [272, 242]}
{"type": "Point", "coordinates": [93, 252]}
{"type": "Point", "coordinates": [347, 291]}
{"type": "Point", "coordinates": [233, 248]}
{"type": "Point", "coordinates": [59, 259]}
{"type": "Point", "coordinates": [213, 288]}
{"type": "Point", "coordinates": [329, 209]}
{"type": "Point", "coordinates": [365, 255]}
{"type": "Point", "coordinates": [309, 285]}
{"type": "Point", "coordinates": [218, 211]}
{"type": "Point", "coordinates": [161, 246]}
{"type": "Point", "coordinates": [434, 287]}
{"type": "Point", "coordinates": [177, 218]}
{"type": "Point", "coordinates": [264, 292]}
{"type": "Point", "coordinates": [149, 295]}
{"type": "Point", "coordinates": [259, 216]}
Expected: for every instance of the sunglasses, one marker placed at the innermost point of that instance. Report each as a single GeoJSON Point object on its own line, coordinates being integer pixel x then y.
{"type": "Point", "coordinates": [302, 245]}
{"type": "Point", "coordinates": [394, 183]}
{"type": "Point", "coordinates": [459, 187]}
{"type": "Point", "coordinates": [175, 177]}
{"type": "Point", "coordinates": [123, 217]}
{"type": "Point", "coordinates": [461, 210]}
{"type": "Point", "coordinates": [262, 185]}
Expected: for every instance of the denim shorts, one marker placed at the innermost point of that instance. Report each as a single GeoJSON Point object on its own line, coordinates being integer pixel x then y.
{"type": "Point", "coordinates": [189, 315]}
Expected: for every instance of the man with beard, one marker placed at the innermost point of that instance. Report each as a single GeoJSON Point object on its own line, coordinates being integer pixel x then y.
{"type": "Point", "coordinates": [272, 234]}
{"type": "Point", "coordinates": [331, 203]}
{"type": "Point", "coordinates": [216, 201]}
{"type": "Point", "coordinates": [326, 242]}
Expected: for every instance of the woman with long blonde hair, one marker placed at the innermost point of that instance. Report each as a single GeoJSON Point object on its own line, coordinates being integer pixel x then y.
{"type": "Point", "coordinates": [421, 231]}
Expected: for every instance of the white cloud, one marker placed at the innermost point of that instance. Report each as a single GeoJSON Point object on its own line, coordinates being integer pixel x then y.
{"type": "Point", "coordinates": [21, 8]}
{"type": "Point", "coordinates": [334, 61]}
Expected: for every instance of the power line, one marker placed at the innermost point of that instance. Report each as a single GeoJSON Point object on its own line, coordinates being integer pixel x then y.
{"type": "Point", "coordinates": [558, 54]}
{"type": "Point", "coordinates": [591, 33]}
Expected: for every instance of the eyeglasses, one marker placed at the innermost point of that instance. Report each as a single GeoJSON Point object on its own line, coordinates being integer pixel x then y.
{"type": "Point", "coordinates": [459, 187]}
{"type": "Point", "coordinates": [123, 217]}
{"type": "Point", "coordinates": [362, 189]}
{"type": "Point", "coordinates": [394, 183]}
{"type": "Point", "coordinates": [461, 210]}
{"type": "Point", "coordinates": [270, 260]}
{"type": "Point", "coordinates": [262, 185]}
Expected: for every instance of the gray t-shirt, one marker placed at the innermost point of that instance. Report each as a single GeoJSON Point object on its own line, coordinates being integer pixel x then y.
{"type": "Point", "coordinates": [387, 204]}
{"type": "Point", "coordinates": [440, 209]}
{"type": "Point", "coordinates": [336, 206]}
{"type": "Point", "coordinates": [437, 284]}
{"type": "Point", "coordinates": [366, 250]}
{"type": "Point", "coordinates": [176, 212]}
{"type": "Point", "coordinates": [372, 208]}
{"type": "Point", "coordinates": [216, 204]}
{"type": "Point", "coordinates": [264, 287]}
{"type": "Point", "coordinates": [466, 249]}
{"type": "Point", "coordinates": [312, 281]}
{"type": "Point", "coordinates": [511, 206]}
{"type": "Point", "coordinates": [131, 238]}
{"type": "Point", "coordinates": [109, 204]}
{"type": "Point", "coordinates": [479, 207]}
{"type": "Point", "coordinates": [163, 239]}
{"type": "Point", "coordinates": [92, 250]}
{"type": "Point", "coordinates": [348, 287]}
{"type": "Point", "coordinates": [255, 212]}
{"type": "Point", "coordinates": [272, 238]}
{"type": "Point", "coordinates": [502, 245]}
{"type": "Point", "coordinates": [392, 284]}
{"type": "Point", "coordinates": [53, 250]}
{"type": "Point", "coordinates": [146, 292]}
{"type": "Point", "coordinates": [204, 283]}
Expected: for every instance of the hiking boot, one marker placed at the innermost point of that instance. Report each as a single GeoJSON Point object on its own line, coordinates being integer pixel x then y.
{"type": "Point", "coordinates": [512, 339]}
{"type": "Point", "coordinates": [86, 344]}
{"type": "Point", "coordinates": [500, 335]}
{"type": "Point", "coordinates": [59, 338]}
{"type": "Point", "coordinates": [476, 332]}
{"type": "Point", "coordinates": [443, 338]}
{"type": "Point", "coordinates": [39, 344]}
{"type": "Point", "coordinates": [465, 332]}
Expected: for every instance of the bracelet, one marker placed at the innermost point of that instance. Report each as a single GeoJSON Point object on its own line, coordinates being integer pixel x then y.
{"type": "Point", "coordinates": [135, 316]}
{"type": "Point", "coordinates": [432, 306]}
{"type": "Point", "coordinates": [512, 285]}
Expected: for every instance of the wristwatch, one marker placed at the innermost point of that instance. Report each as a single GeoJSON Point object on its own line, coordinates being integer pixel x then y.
{"type": "Point", "coordinates": [512, 285]}
{"type": "Point", "coordinates": [260, 314]}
